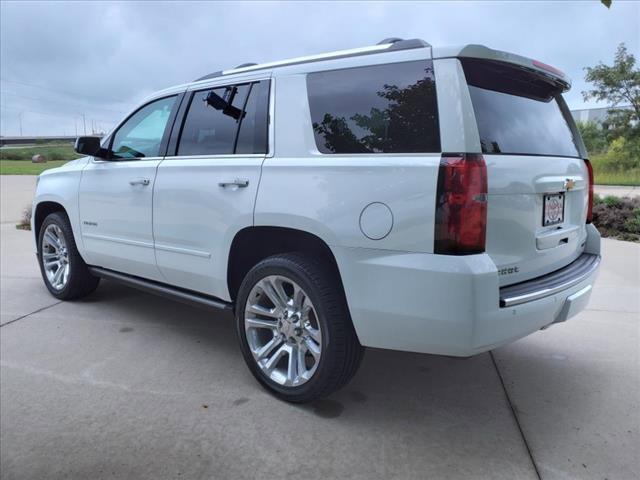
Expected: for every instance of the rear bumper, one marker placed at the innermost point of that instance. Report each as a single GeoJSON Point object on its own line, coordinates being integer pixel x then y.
{"type": "Point", "coordinates": [547, 285]}
{"type": "Point", "coordinates": [451, 305]}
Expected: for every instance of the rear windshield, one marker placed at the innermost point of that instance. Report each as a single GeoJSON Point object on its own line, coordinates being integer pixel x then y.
{"type": "Point", "coordinates": [375, 109]}
{"type": "Point", "coordinates": [518, 112]}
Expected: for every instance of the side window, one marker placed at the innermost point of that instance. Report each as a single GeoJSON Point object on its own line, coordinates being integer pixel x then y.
{"type": "Point", "coordinates": [252, 137]}
{"type": "Point", "coordinates": [212, 121]}
{"type": "Point", "coordinates": [141, 135]}
{"type": "Point", "coordinates": [377, 109]}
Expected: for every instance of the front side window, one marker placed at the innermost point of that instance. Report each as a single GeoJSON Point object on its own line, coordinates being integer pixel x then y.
{"type": "Point", "coordinates": [388, 108]}
{"type": "Point", "coordinates": [141, 135]}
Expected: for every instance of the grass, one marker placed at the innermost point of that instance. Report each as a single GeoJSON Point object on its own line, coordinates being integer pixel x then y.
{"type": "Point", "coordinates": [604, 176]}
{"type": "Point", "coordinates": [17, 161]}
{"type": "Point", "coordinates": [50, 152]}
{"type": "Point", "coordinates": [23, 167]}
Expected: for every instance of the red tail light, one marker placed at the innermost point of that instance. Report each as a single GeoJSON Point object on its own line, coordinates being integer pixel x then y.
{"type": "Point", "coordinates": [590, 204]}
{"type": "Point", "coordinates": [461, 205]}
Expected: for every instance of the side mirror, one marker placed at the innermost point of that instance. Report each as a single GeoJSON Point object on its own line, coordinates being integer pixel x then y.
{"type": "Point", "coordinates": [89, 146]}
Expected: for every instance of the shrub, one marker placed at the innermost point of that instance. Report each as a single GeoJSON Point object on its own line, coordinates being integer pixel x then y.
{"type": "Point", "coordinates": [617, 217]}
{"type": "Point", "coordinates": [25, 221]}
{"type": "Point", "coordinates": [611, 201]}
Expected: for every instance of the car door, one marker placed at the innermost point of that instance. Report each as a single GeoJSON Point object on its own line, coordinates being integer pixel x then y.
{"type": "Point", "coordinates": [206, 187]}
{"type": "Point", "coordinates": [115, 198]}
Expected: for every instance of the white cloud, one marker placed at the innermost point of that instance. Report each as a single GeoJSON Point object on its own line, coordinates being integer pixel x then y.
{"type": "Point", "coordinates": [100, 58]}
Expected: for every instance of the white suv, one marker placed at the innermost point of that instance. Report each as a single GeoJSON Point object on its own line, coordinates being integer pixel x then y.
{"type": "Point", "coordinates": [399, 196]}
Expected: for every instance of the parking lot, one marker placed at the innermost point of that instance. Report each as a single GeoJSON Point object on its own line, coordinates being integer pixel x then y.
{"type": "Point", "coordinates": [128, 385]}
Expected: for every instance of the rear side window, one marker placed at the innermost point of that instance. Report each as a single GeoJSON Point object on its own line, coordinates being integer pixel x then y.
{"type": "Point", "coordinates": [377, 109]}
{"type": "Point", "coordinates": [226, 120]}
{"type": "Point", "coordinates": [518, 112]}
{"type": "Point", "coordinates": [252, 137]}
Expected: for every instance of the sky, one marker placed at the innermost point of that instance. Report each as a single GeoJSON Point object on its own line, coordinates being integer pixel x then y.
{"type": "Point", "coordinates": [70, 66]}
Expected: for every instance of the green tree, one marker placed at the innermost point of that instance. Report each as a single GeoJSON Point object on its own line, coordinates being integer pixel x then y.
{"type": "Point", "coordinates": [594, 136]}
{"type": "Point", "coordinates": [618, 84]}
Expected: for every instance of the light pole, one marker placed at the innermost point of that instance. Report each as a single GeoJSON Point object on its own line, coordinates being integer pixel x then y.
{"type": "Point", "coordinates": [20, 118]}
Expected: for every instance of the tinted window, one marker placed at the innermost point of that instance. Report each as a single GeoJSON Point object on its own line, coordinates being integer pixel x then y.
{"type": "Point", "coordinates": [518, 112]}
{"type": "Point", "coordinates": [141, 135]}
{"type": "Point", "coordinates": [379, 109]}
{"type": "Point", "coordinates": [252, 137]}
{"type": "Point", "coordinates": [212, 121]}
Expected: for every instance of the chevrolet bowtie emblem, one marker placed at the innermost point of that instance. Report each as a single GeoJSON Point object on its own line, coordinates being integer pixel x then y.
{"type": "Point", "coordinates": [569, 183]}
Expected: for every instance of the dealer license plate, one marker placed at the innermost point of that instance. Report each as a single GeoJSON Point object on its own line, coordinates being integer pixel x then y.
{"type": "Point", "coordinates": [553, 212]}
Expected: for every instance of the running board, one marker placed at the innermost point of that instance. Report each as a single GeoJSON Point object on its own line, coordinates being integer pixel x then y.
{"type": "Point", "coordinates": [163, 290]}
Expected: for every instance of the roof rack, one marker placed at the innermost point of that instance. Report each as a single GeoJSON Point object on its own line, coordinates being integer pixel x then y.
{"type": "Point", "coordinates": [246, 65]}
{"type": "Point", "coordinates": [391, 44]}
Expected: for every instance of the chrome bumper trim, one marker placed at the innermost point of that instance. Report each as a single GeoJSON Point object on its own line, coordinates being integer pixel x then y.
{"type": "Point", "coordinates": [551, 283]}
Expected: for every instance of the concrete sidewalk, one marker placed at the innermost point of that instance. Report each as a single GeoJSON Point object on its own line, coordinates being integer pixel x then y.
{"type": "Point", "coordinates": [127, 385]}
{"type": "Point", "coordinates": [604, 190]}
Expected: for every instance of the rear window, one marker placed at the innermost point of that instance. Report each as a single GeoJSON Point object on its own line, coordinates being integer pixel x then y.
{"type": "Point", "coordinates": [518, 112]}
{"type": "Point", "coordinates": [377, 109]}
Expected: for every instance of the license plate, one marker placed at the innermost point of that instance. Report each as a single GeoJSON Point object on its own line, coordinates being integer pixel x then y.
{"type": "Point", "coordinates": [553, 212]}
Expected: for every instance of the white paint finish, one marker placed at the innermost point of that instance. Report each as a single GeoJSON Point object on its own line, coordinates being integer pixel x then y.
{"type": "Point", "coordinates": [195, 220]}
{"type": "Point", "coordinates": [438, 304]}
{"type": "Point", "coordinates": [122, 240]}
{"type": "Point", "coordinates": [482, 52]}
{"type": "Point", "coordinates": [458, 129]}
{"type": "Point", "coordinates": [515, 235]}
{"type": "Point", "coordinates": [325, 195]}
{"type": "Point", "coordinates": [418, 301]}
{"type": "Point", "coordinates": [376, 221]}
{"type": "Point", "coordinates": [60, 185]}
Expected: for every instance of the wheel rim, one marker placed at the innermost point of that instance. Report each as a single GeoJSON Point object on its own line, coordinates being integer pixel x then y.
{"type": "Point", "coordinates": [283, 331]}
{"type": "Point", "coordinates": [55, 257]}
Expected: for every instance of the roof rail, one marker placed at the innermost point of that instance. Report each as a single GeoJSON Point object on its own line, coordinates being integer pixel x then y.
{"type": "Point", "coordinates": [246, 65]}
{"type": "Point", "coordinates": [387, 45]}
{"type": "Point", "coordinates": [211, 75]}
{"type": "Point", "coordinates": [389, 40]}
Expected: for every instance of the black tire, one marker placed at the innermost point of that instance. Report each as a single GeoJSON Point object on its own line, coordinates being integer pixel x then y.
{"type": "Point", "coordinates": [80, 282]}
{"type": "Point", "coordinates": [341, 350]}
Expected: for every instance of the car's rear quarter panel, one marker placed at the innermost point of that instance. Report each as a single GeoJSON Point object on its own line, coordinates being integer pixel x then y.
{"type": "Point", "coordinates": [326, 194]}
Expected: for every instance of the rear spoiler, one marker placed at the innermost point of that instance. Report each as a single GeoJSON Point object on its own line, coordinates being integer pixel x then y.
{"type": "Point", "coordinates": [485, 53]}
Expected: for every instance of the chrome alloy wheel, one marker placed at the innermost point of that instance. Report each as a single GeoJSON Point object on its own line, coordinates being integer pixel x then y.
{"type": "Point", "coordinates": [283, 331]}
{"type": "Point", "coordinates": [55, 257]}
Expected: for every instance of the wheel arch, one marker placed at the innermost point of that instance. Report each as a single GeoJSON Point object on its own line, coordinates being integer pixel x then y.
{"type": "Point", "coordinates": [41, 211]}
{"type": "Point", "coordinates": [253, 244]}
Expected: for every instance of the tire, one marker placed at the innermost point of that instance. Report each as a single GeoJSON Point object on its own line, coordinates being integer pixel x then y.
{"type": "Point", "coordinates": [77, 281]}
{"type": "Point", "coordinates": [322, 320]}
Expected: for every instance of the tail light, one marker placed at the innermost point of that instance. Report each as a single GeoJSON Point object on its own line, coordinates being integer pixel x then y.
{"type": "Point", "coordinates": [590, 204]}
{"type": "Point", "coordinates": [461, 205]}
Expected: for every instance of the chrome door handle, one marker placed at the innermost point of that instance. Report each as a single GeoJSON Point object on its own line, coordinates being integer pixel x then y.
{"type": "Point", "coordinates": [240, 183]}
{"type": "Point", "coordinates": [139, 181]}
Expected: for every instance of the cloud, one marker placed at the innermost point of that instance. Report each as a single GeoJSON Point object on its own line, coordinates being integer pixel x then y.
{"type": "Point", "coordinates": [61, 60]}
